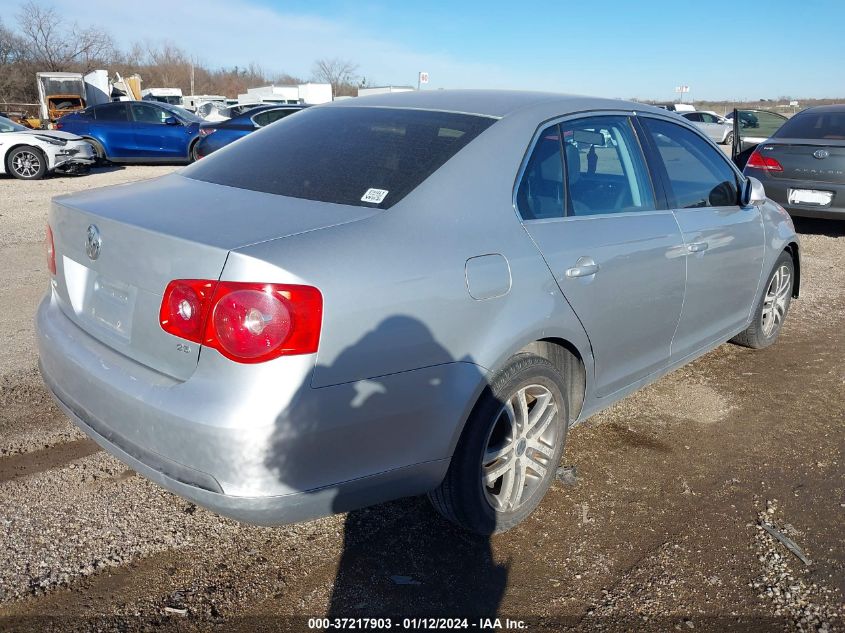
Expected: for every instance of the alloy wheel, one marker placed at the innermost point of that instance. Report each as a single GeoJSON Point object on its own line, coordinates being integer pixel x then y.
{"type": "Point", "coordinates": [26, 164]}
{"type": "Point", "coordinates": [519, 448]}
{"type": "Point", "coordinates": [775, 301]}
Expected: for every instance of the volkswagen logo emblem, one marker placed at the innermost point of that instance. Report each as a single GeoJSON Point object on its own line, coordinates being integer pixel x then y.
{"type": "Point", "coordinates": [821, 153]}
{"type": "Point", "coordinates": [93, 242]}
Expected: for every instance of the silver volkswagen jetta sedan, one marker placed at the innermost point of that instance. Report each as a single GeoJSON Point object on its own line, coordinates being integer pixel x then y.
{"type": "Point", "coordinates": [403, 294]}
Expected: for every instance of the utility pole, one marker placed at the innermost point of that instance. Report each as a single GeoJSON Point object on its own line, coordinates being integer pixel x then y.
{"type": "Point", "coordinates": [192, 76]}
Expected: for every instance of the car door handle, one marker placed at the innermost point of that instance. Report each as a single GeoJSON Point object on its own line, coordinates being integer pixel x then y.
{"type": "Point", "coordinates": [584, 267]}
{"type": "Point", "coordinates": [697, 247]}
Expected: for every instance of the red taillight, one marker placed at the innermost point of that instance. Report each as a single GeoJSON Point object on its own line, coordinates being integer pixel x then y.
{"type": "Point", "coordinates": [185, 306]}
{"type": "Point", "coordinates": [51, 251]}
{"type": "Point", "coordinates": [766, 163]}
{"type": "Point", "coordinates": [58, 125]}
{"type": "Point", "coordinates": [205, 131]}
{"type": "Point", "coordinates": [246, 322]}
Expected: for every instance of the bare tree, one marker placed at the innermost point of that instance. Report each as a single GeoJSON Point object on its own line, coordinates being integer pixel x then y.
{"type": "Point", "coordinates": [43, 40]}
{"type": "Point", "coordinates": [340, 73]}
{"type": "Point", "coordinates": [16, 73]}
{"type": "Point", "coordinates": [285, 79]}
{"type": "Point", "coordinates": [56, 48]}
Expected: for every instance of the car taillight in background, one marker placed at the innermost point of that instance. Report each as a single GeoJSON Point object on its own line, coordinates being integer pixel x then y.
{"type": "Point", "coordinates": [246, 322]}
{"type": "Point", "coordinates": [57, 125]}
{"type": "Point", "coordinates": [766, 163]}
{"type": "Point", "coordinates": [51, 251]}
{"type": "Point", "coordinates": [205, 131]}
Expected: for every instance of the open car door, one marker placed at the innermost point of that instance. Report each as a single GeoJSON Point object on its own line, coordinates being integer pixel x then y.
{"type": "Point", "coordinates": [752, 127]}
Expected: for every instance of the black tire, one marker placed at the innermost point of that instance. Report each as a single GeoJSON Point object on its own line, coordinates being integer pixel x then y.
{"type": "Point", "coordinates": [759, 334]}
{"type": "Point", "coordinates": [26, 163]}
{"type": "Point", "coordinates": [99, 152]}
{"type": "Point", "coordinates": [193, 151]}
{"type": "Point", "coordinates": [729, 139]}
{"type": "Point", "coordinates": [462, 497]}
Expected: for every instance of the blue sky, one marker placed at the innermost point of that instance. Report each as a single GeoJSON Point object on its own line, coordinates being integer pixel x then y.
{"type": "Point", "coordinates": [607, 48]}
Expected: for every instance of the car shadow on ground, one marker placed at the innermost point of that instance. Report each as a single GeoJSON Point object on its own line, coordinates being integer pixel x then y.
{"type": "Point", "coordinates": [399, 559]}
{"type": "Point", "coordinates": [813, 226]}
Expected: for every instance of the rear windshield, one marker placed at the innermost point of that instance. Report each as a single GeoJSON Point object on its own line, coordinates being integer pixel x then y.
{"type": "Point", "coordinates": [815, 125]}
{"type": "Point", "coordinates": [348, 155]}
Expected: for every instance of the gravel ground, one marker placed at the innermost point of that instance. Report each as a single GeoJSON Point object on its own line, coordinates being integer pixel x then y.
{"type": "Point", "coordinates": [662, 529]}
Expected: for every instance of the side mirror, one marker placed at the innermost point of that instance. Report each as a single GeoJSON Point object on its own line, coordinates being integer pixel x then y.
{"type": "Point", "coordinates": [753, 192]}
{"type": "Point", "coordinates": [171, 120]}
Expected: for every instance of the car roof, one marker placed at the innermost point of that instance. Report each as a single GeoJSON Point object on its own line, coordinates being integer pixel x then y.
{"type": "Point", "coordinates": [492, 103]}
{"type": "Point", "coordinates": [835, 107]}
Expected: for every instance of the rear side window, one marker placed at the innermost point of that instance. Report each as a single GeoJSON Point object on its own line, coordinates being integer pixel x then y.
{"type": "Point", "coordinates": [814, 125]}
{"type": "Point", "coordinates": [266, 118]}
{"type": "Point", "coordinates": [540, 193]}
{"type": "Point", "coordinates": [347, 155]}
{"type": "Point", "coordinates": [605, 169]}
{"type": "Point", "coordinates": [699, 176]}
{"type": "Point", "coordinates": [111, 112]}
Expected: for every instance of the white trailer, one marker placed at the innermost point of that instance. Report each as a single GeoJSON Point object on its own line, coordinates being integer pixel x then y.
{"type": "Point", "coordinates": [380, 90]}
{"type": "Point", "coordinates": [310, 94]}
{"type": "Point", "coordinates": [171, 96]}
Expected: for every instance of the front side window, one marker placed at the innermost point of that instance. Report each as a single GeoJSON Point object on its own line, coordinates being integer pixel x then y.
{"type": "Point", "coordinates": [111, 112]}
{"type": "Point", "coordinates": [540, 193]}
{"type": "Point", "coordinates": [692, 116]}
{"type": "Point", "coordinates": [605, 169]}
{"type": "Point", "coordinates": [708, 118]}
{"type": "Point", "coordinates": [352, 155]}
{"type": "Point", "coordinates": [143, 113]}
{"type": "Point", "coordinates": [699, 175]}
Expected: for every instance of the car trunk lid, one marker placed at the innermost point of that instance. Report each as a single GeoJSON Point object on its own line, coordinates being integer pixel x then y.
{"type": "Point", "coordinates": [117, 249]}
{"type": "Point", "coordinates": [820, 161]}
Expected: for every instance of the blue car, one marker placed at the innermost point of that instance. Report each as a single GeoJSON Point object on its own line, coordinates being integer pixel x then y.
{"type": "Point", "coordinates": [136, 131]}
{"type": "Point", "coordinates": [214, 135]}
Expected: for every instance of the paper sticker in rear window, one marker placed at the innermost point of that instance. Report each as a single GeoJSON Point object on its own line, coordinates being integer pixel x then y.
{"type": "Point", "coordinates": [374, 195]}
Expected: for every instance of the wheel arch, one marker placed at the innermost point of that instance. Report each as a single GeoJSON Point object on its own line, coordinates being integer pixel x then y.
{"type": "Point", "coordinates": [570, 363]}
{"type": "Point", "coordinates": [98, 141]}
{"type": "Point", "coordinates": [793, 249]}
{"type": "Point", "coordinates": [567, 358]}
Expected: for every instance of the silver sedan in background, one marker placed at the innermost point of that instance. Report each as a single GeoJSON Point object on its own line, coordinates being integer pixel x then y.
{"type": "Point", "coordinates": [402, 294]}
{"type": "Point", "coordinates": [716, 127]}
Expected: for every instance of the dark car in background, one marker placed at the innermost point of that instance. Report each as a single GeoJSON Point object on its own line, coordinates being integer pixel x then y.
{"type": "Point", "coordinates": [802, 164]}
{"type": "Point", "coordinates": [136, 131]}
{"type": "Point", "coordinates": [217, 134]}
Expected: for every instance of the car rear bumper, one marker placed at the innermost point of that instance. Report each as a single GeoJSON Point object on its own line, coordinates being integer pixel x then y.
{"type": "Point", "coordinates": [778, 190]}
{"type": "Point", "coordinates": [204, 490]}
{"type": "Point", "coordinates": [320, 451]}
